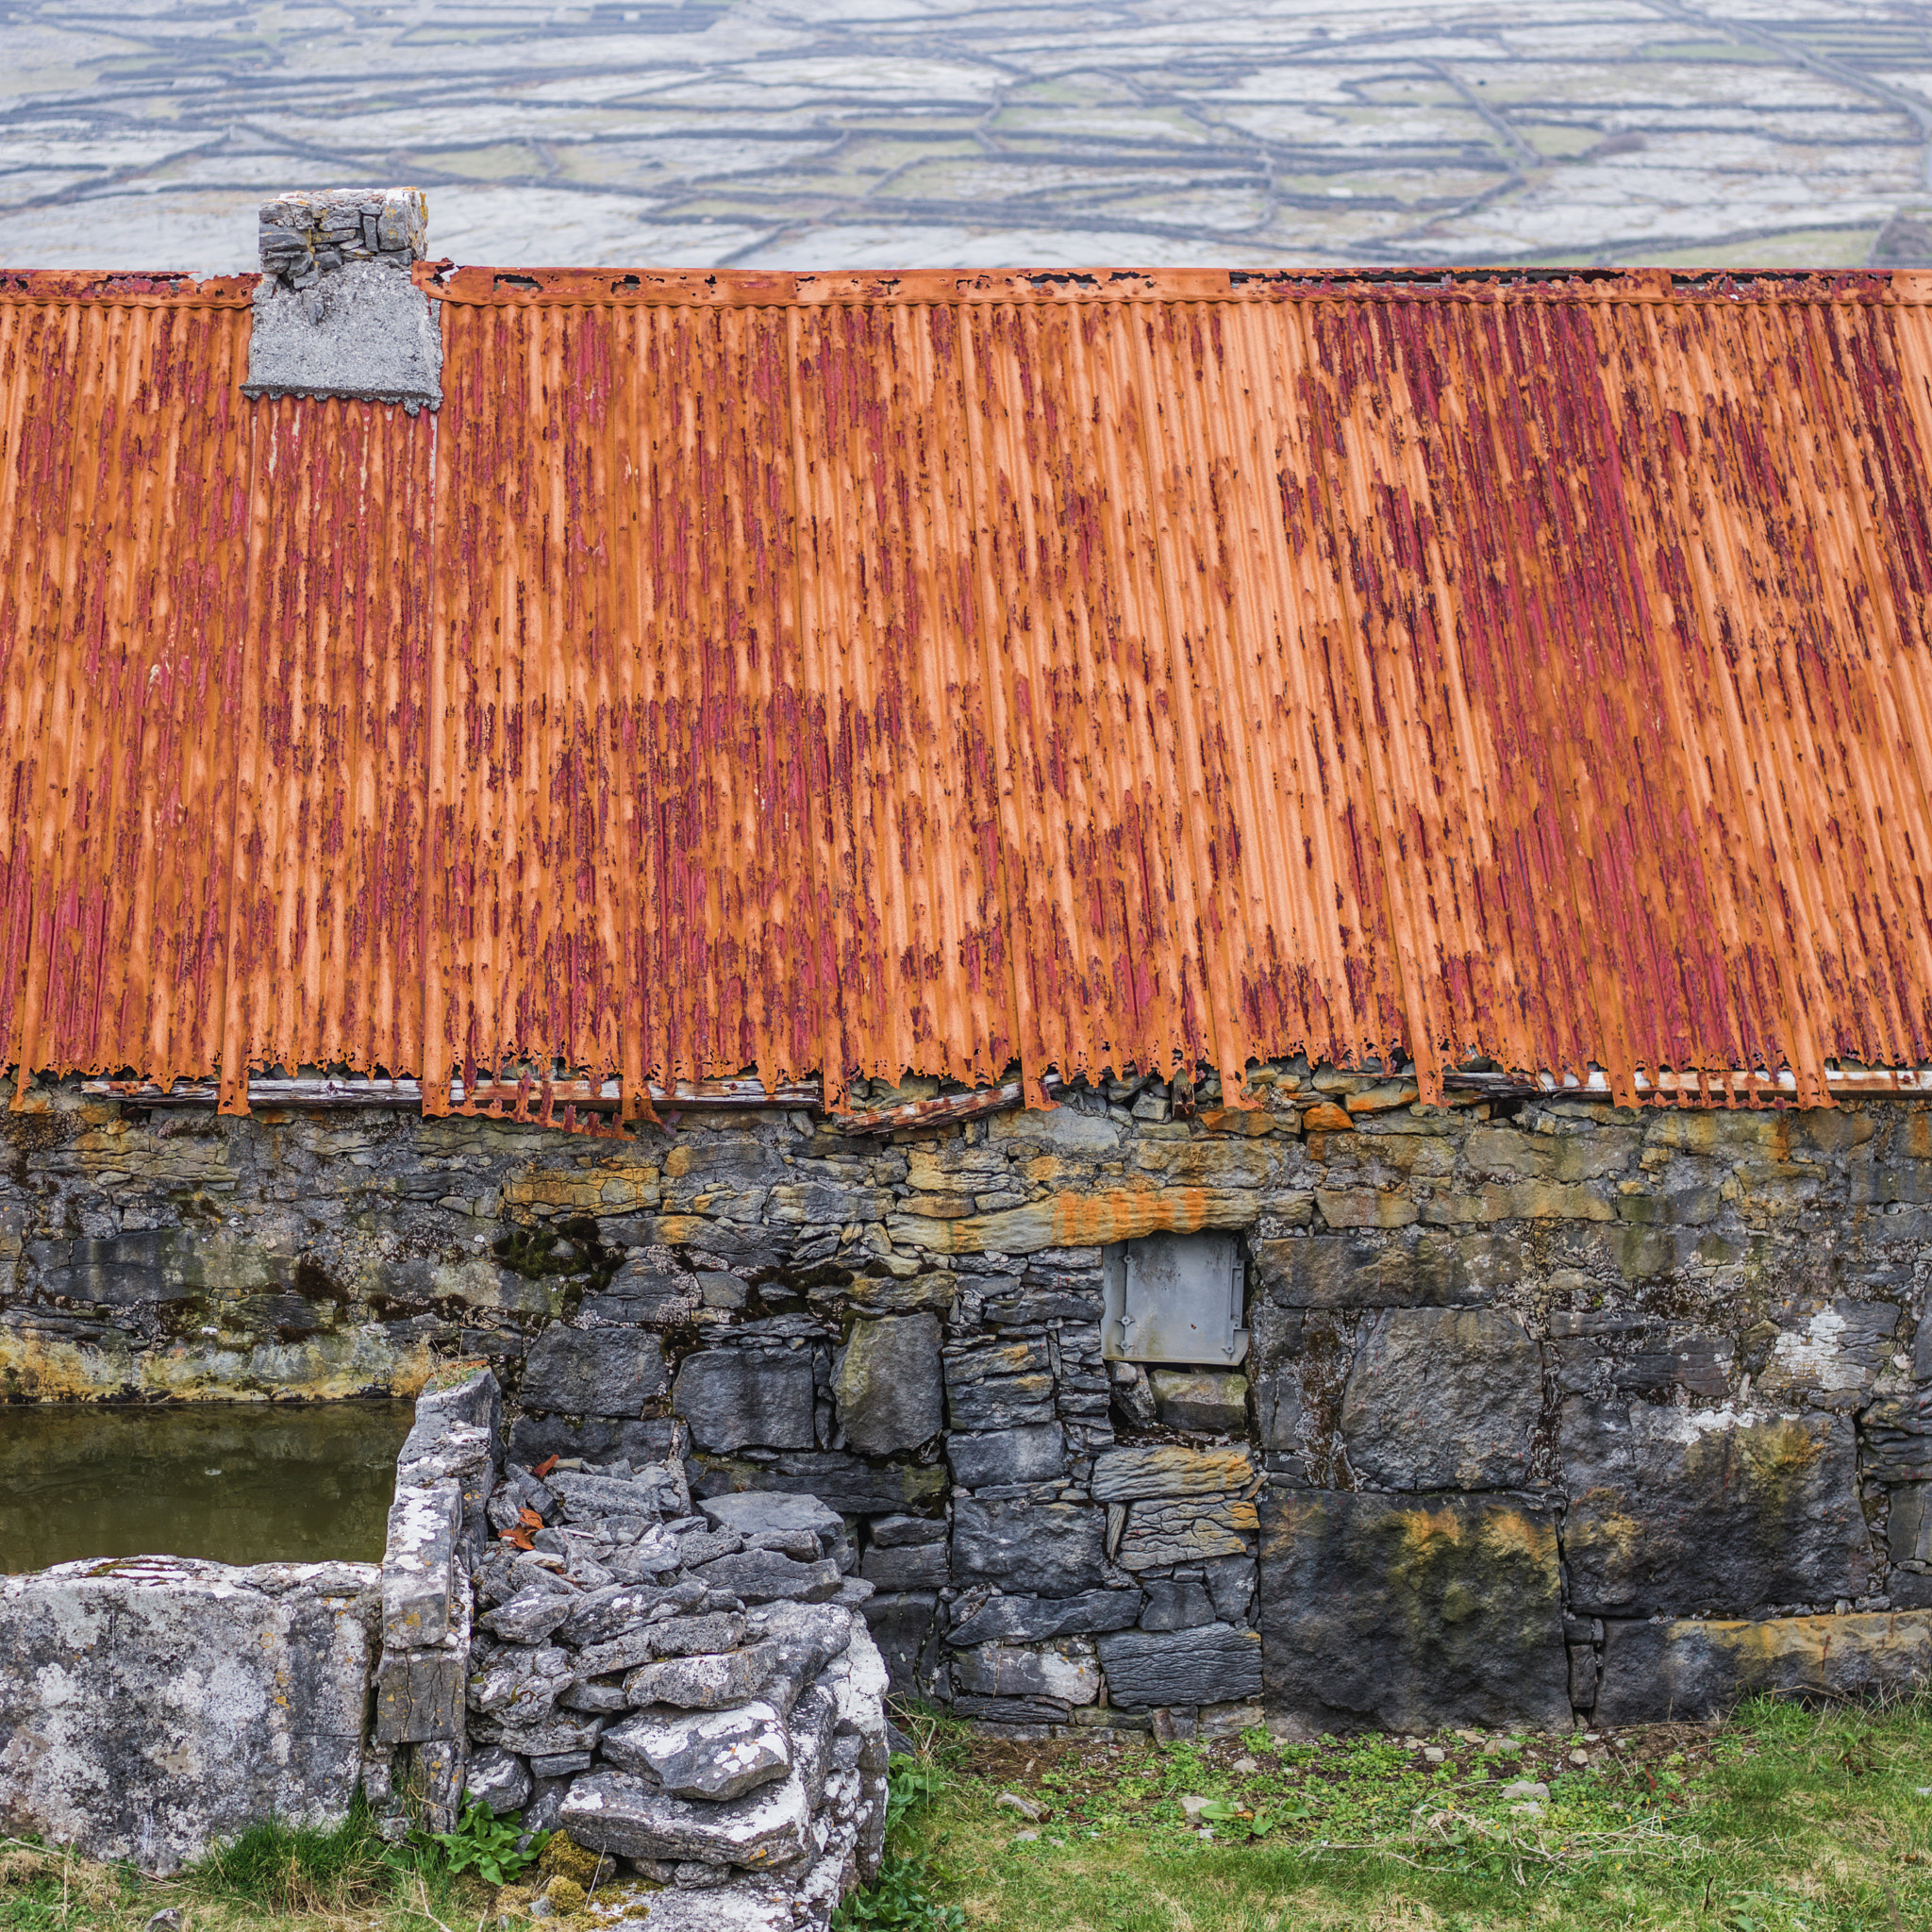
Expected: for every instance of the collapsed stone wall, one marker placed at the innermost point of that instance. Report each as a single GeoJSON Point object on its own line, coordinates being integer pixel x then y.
{"type": "Point", "coordinates": [1551, 1407]}
{"type": "Point", "coordinates": [690, 1695]}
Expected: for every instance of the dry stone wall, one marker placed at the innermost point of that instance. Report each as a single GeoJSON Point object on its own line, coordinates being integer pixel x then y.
{"type": "Point", "coordinates": [1549, 1406]}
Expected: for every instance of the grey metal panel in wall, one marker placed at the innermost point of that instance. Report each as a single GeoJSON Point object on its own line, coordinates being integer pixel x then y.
{"type": "Point", "coordinates": [1174, 1298]}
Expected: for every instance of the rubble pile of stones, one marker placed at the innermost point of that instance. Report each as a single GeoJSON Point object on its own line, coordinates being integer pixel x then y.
{"type": "Point", "coordinates": [692, 1692]}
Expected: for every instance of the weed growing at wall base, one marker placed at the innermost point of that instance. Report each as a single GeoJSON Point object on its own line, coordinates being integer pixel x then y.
{"type": "Point", "coordinates": [901, 1898]}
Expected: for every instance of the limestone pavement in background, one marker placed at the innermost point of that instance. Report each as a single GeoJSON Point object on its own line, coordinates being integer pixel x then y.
{"type": "Point", "coordinates": [778, 134]}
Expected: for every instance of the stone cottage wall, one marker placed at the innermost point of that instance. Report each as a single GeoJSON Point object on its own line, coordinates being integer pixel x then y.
{"type": "Point", "coordinates": [1550, 1407]}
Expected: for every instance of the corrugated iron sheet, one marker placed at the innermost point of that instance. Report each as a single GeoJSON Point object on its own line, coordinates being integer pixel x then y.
{"type": "Point", "coordinates": [840, 674]}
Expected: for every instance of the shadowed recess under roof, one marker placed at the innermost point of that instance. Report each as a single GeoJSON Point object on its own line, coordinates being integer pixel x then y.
{"type": "Point", "coordinates": [844, 673]}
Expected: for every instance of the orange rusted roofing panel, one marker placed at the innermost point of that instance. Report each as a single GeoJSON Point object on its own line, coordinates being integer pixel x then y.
{"type": "Point", "coordinates": [123, 529]}
{"type": "Point", "coordinates": [846, 673]}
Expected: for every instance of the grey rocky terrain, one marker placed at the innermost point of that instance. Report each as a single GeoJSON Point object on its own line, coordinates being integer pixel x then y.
{"type": "Point", "coordinates": [943, 133]}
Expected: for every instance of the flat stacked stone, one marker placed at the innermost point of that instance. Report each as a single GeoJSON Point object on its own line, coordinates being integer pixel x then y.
{"type": "Point", "coordinates": [690, 1692]}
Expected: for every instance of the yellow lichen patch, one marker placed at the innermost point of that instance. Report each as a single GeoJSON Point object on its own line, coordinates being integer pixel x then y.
{"type": "Point", "coordinates": [1599, 1524]}
{"type": "Point", "coordinates": [1124, 1215]}
{"type": "Point", "coordinates": [1509, 1536]}
{"type": "Point", "coordinates": [1074, 1219]}
{"type": "Point", "coordinates": [322, 1368]}
{"type": "Point", "coordinates": [1425, 1540]}
{"type": "Point", "coordinates": [1771, 1458]}
{"type": "Point", "coordinates": [612, 1189]}
{"type": "Point", "coordinates": [1809, 1652]}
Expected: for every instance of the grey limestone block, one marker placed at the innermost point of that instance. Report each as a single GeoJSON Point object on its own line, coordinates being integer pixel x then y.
{"type": "Point", "coordinates": [560, 1735]}
{"type": "Point", "coordinates": [904, 1532]}
{"type": "Point", "coordinates": [471, 1398]}
{"type": "Point", "coordinates": [903, 1626]}
{"type": "Point", "coordinates": [609, 1612]}
{"type": "Point", "coordinates": [769, 1826]}
{"type": "Point", "coordinates": [498, 1778]}
{"type": "Point", "coordinates": [759, 1512]}
{"type": "Point", "coordinates": [1025, 1714]}
{"type": "Point", "coordinates": [716, 1754]}
{"type": "Point", "coordinates": [1193, 1530]}
{"type": "Point", "coordinates": [588, 1496]}
{"type": "Point", "coordinates": [1230, 1582]}
{"type": "Point", "coordinates": [704, 1683]}
{"type": "Point", "coordinates": [419, 1564]}
{"type": "Point", "coordinates": [652, 1288]}
{"type": "Point", "coordinates": [593, 1439]}
{"type": "Point", "coordinates": [921, 1566]}
{"type": "Point", "coordinates": [1584, 1663]}
{"type": "Point", "coordinates": [1176, 1606]}
{"type": "Point", "coordinates": [1208, 1401]}
{"type": "Point", "coordinates": [1656, 1672]}
{"type": "Point", "coordinates": [419, 1696]}
{"type": "Point", "coordinates": [1909, 1528]}
{"type": "Point", "coordinates": [1216, 1663]}
{"type": "Point", "coordinates": [979, 1618]}
{"type": "Point", "coordinates": [360, 330]}
{"type": "Point", "coordinates": [1000, 1386]}
{"type": "Point", "coordinates": [1411, 1612]}
{"type": "Point", "coordinates": [747, 1398]}
{"type": "Point", "coordinates": [444, 1445]}
{"type": "Point", "coordinates": [1128, 1476]}
{"type": "Point", "coordinates": [1066, 1670]}
{"type": "Point", "coordinates": [845, 1483]}
{"type": "Point", "coordinates": [601, 1372]}
{"type": "Point", "coordinates": [151, 1707]}
{"type": "Point", "coordinates": [1684, 1510]}
{"type": "Point", "coordinates": [1442, 1399]}
{"type": "Point", "coordinates": [1408, 1269]}
{"type": "Point", "coordinates": [520, 1683]}
{"type": "Point", "coordinates": [761, 1576]}
{"type": "Point", "coordinates": [436, 1775]}
{"type": "Point", "coordinates": [887, 1385]}
{"type": "Point", "coordinates": [1032, 1453]}
{"type": "Point", "coordinates": [1055, 1549]}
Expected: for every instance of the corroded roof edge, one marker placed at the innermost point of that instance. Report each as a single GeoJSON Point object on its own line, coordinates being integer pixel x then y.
{"type": "Point", "coordinates": [760, 289]}
{"type": "Point", "coordinates": [142, 290]}
{"type": "Point", "coordinates": [766, 289]}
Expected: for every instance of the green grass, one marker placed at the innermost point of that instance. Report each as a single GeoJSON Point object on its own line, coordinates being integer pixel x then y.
{"type": "Point", "coordinates": [1784, 1819]}
{"type": "Point", "coordinates": [276, 1874]}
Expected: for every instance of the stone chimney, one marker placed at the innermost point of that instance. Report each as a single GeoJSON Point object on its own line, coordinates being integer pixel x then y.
{"type": "Point", "coordinates": [335, 314]}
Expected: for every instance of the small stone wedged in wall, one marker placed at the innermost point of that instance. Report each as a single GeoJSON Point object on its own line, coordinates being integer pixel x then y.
{"type": "Point", "coordinates": [154, 1705]}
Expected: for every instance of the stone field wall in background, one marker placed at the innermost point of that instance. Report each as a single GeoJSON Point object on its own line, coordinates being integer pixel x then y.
{"type": "Point", "coordinates": [1549, 1406]}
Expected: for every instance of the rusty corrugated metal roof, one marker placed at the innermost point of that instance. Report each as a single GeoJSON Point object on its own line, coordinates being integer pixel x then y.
{"type": "Point", "coordinates": [844, 673]}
